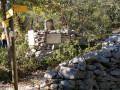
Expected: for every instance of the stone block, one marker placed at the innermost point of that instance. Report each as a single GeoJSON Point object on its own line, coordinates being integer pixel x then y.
{"type": "Point", "coordinates": [101, 73]}
{"type": "Point", "coordinates": [102, 59]}
{"type": "Point", "coordinates": [105, 53]}
{"type": "Point", "coordinates": [115, 72]}
{"type": "Point", "coordinates": [91, 56]}
{"type": "Point", "coordinates": [91, 67]}
{"type": "Point", "coordinates": [99, 66]}
{"type": "Point", "coordinates": [71, 73]}
{"type": "Point", "coordinates": [50, 74]}
{"type": "Point", "coordinates": [53, 86]}
{"type": "Point", "coordinates": [67, 85]}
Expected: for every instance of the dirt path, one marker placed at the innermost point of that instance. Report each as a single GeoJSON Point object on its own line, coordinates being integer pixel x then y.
{"type": "Point", "coordinates": [26, 83]}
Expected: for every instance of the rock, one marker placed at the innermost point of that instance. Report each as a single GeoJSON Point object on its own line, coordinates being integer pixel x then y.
{"type": "Point", "coordinates": [63, 64]}
{"type": "Point", "coordinates": [85, 87]}
{"type": "Point", "coordinates": [53, 86]}
{"type": "Point", "coordinates": [76, 88]}
{"type": "Point", "coordinates": [43, 85]}
{"type": "Point", "coordinates": [59, 76]}
{"type": "Point", "coordinates": [91, 56]}
{"type": "Point", "coordinates": [98, 72]}
{"type": "Point", "coordinates": [90, 74]}
{"type": "Point", "coordinates": [29, 88]}
{"type": "Point", "coordinates": [81, 66]}
{"type": "Point", "coordinates": [105, 53]}
{"type": "Point", "coordinates": [50, 74]}
{"type": "Point", "coordinates": [114, 86]}
{"type": "Point", "coordinates": [93, 71]}
{"type": "Point", "coordinates": [71, 73]}
{"type": "Point", "coordinates": [105, 85]}
{"type": "Point", "coordinates": [33, 50]}
{"type": "Point", "coordinates": [116, 89]}
{"type": "Point", "coordinates": [116, 55]}
{"type": "Point", "coordinates": [102, 59]}
{"type": "Point", "coordinates": [115, 72]}
{"type": "Point", "coordinates": [91, 83]}
{"type": "Point", "coordinates": [77, 60]}
{"type": "Point", "coordinates": [108, 77]}
{"type": "Point", "coordinates": [67, 85]}
{"type": "Point", "coordinates": [37, 86]}
{"type": "Point", "coordinates": [91, 67]}
{"type": "Point", "coordinates": [79, 82]}
{"type": "Point", "coordinates": [39, 55]}
{"type": "Point", "coordinates": [72, 65]}
{"type": "Point", "coordinates": [115, 61]}
{"type": "Point", "coordinates": [45, 88]}
{"type": "Point", "coordinates": [99, 66]}
{"type": "Point", "coordinates": [51, 81]}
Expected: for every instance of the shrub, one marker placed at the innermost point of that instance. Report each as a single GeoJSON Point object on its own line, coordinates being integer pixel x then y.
{"type": "Point", "coordinates": [68, 50]}
{"type": "Point", "coordinates": [4, 70]}
{"type": "Point", "coordinates": [64, 52]}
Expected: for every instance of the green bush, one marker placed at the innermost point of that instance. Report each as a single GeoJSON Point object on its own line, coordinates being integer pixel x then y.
{"type": "Point", "coordinates": [64, 52]}
{"type": "Point", "coordinates": [4, 57]}
{"type": "Point", "coordinates": [4, 75]}
{"type": "Point", "coordinates": [4, 70]}
{"type": "Point", "coordinates": [68, 50]}
{"type": "Point", "coordinates": [25, 63]}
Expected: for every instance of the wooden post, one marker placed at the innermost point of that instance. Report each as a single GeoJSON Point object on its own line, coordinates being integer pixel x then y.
{"type": "Point", "coordinates": [13, 54]}
{"type": "Point", "coordinates": [7, 32]}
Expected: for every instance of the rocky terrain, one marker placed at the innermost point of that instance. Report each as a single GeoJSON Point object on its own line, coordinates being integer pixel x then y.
{"type": "Point", "coordinates": [93, 71]}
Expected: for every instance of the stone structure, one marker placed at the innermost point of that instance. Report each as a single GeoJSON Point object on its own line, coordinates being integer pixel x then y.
{"type": "Point", "coordinates": [49, 25]}
{"type": "Point", "coordinates": [93, 71]}
{"type": "Point", "coordinates": [45, 42]}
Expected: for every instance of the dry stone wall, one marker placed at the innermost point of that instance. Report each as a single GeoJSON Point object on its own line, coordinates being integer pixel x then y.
{"type": "Point", "coordinates": [42, 48]}
{"type": "Point", "coordinates": [93, 71]}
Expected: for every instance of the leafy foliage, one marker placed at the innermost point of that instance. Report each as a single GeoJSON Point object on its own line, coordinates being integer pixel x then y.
{"type": "Point", "coordinates": [94, 19]}
{"type": "Point", "coordinates": [4, 70]}
{"type": "Point", "coordinates": [3, 57]}
{"type": "Point", "coordinates": [68, 50]}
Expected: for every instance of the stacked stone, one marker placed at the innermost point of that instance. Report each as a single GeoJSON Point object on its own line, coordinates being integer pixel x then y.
{"type": "Point", "coordinates": [93, 71]}
{"type": "Point", "coordinates": [112, 41]}
{"type": "Point", "coordinates": [40, 42]}
{"type": "Point", "coordinates": [40, 38]}
{"type": "Point", "coordinates": [42, 48]}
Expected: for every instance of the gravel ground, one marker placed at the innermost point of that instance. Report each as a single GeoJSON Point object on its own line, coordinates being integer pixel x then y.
{"type": "Point", "coordinates": [26, 83]}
